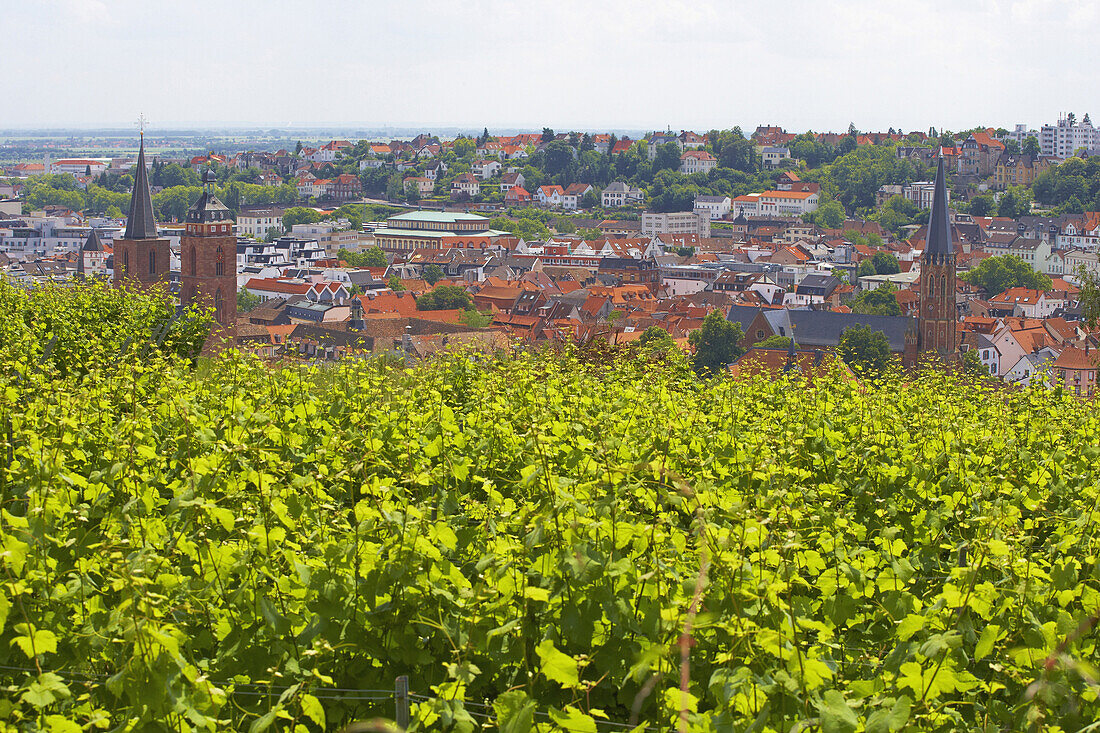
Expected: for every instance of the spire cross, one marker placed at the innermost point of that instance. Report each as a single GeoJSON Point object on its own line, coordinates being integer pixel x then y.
{"type": "Point", "coordinates": [142, 121]}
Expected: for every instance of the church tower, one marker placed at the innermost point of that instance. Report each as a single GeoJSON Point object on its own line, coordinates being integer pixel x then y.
{"type": "Point", "coordinates": [141, 258]}
{"type": "Point", "coordinates": [208, 254]}
{"type": "Point", "coordinates": [937, 322]}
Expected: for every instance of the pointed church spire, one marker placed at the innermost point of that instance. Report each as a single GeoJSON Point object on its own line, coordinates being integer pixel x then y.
{"type": "Point", "coordinates": [140, 223]}
{"type": "Point", "coordinates": [938, 246]}
{"type": "Point", "coordinates": [92, 244]}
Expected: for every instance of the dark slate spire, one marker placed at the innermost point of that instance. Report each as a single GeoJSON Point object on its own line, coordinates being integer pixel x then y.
{"type": "Point", "coordinates": [937, 244]}
{"type": "Point", "coordinates": [92, 244]}
{"type": "Point", "coordinates": [140, 223]}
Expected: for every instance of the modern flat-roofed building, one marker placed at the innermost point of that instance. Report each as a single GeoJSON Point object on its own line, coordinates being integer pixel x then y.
{"type": "Point", "coordinates": [425, 229]}
{"type": "Point", "coordinates": [80, 166]}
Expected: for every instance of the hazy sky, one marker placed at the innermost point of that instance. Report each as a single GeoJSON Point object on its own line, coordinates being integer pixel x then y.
{"type": "Point", "coordinates": [583, 64]}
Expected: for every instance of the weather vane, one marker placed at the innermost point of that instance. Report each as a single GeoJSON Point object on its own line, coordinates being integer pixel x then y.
{"type": "Point", "coordinates": [142, 121]}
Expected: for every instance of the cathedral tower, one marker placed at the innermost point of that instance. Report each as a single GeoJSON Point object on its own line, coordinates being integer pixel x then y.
{"type": "Point", "coordinates": [208, 254]}
{"type": "Point", "coordinates": [937, 322]}
{"type": "Point", "coordinates": [141, 258]}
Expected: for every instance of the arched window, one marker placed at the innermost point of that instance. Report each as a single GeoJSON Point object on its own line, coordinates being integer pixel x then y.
{"type": "Point", "coordinates": [194, 261]}
{"type": "Point", "coordinates": [219, 262]}
{"type": "Point", "coordinates": [219, 306]}
{"type": "Point", "coordinates": [125, 260]}
{"type": "Point", "coordinates": [152, 263]}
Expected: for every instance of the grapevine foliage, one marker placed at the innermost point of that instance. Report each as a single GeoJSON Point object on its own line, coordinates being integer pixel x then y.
{"type": "Point", "coordinates": [535, 540]}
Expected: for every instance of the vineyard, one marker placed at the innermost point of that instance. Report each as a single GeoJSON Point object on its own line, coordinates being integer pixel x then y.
{"type": "Point", "coordinates": [538, 541]}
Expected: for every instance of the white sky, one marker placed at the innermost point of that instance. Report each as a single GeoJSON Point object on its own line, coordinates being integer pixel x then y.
{"type": "Point", "coordinates": [580, 64]}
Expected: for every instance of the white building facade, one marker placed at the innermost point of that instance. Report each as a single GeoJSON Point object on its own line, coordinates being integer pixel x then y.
{"type": "Point", "coordinates": [1066, 136]}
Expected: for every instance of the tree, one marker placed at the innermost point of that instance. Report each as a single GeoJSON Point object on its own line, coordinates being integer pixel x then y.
{"type": "Point", "coordinates": [717, 343]}
{"type": "Point", "coordinates": [854, 178]}
{"type": "Point", "coordinates": [432, 274]}
{"type": "Point", "coordinates": [864, 350]}
{"type": "Point", "coordinates": [1012, 146]}
{"type": "Point", "coordinates": [113, 212]}
{"type": "Point", "coordinates": [474, 318]}
{"type": "Point", "coordinates": [655, 337]}
{"type": "Point", "coordinates": [775, 341]}
{"type": "Point", "coordinates": [1089, 296]}
{"type": "Point", "coordinates": [981, 205]}
{"type": "Point", "coordinates": [547, 134]}
{"type": "Point", "coordinates": [829, 215]}
{"type": "Point", "coordinates": [412, 192]}
{"type": "Point", "coordinates": [885, 263]}
{"type": "Point", "coordinates": [995, 275]}
{"type": "Point", "coordinates": [395, 284]}
{"type": "Point", "coordinates": [668, 158]}
{"type": "Point", "coordinates": [372, 257]}
{"type": "Point", "coordinates": [878, 302]}
{"type": "Point", "coordinates": [590, 235]}
{"type": "Point", "coordinates": [445, 297]}
{"type": "Point", "coordinates": [464, 147]}
{"type": "Point", "coordinates": [529, 230]}
{"type": "Point", "coordinates": [299, 215]}
{"type": "Point", "coordinates": [1015, 202]}
{"type": "Point", "coordinates": [1031, 146]}
{"type": "Point", "coordinates": [734, 151]}
{"type": "Point", "coordinates": [972, 364]}
{"type": "Point", "coordinates": [866, 267]}
{"type": "Point", "coordinates": [898, 212]}
{"type": "Point", "coordinates": [247, 300]}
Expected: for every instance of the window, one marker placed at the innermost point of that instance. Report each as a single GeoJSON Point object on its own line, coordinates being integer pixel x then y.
{"type": "Point", "coordinates": [219, 262]}
{"type": "Point", "coordinates": [219, 306]}
{"type": "Point", "coordinates": [194, 262]}
{"type": "Point", "coordinates": [125, 260]}
{"type": "Point", "coordinates": [152, 263]}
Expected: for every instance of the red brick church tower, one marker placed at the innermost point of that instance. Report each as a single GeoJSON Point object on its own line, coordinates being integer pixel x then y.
{"type": "Point", "coordinates": [141, 258]}
{"type": "Point", "coordinates": [937, 322]}
{"type": "Point", "coordinates": [208, 255]}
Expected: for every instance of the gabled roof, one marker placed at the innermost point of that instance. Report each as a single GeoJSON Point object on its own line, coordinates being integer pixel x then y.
{"type": "Point", "coordinates": [272, 285]}
{"type": "Point", "coordinates": [1075, 358]}
{"type": "Point", "coordinates": [1013, 296]}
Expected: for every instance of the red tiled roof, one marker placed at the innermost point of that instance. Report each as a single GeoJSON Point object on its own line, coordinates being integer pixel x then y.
{"type": "Point", "coordinates": [1075, 358]}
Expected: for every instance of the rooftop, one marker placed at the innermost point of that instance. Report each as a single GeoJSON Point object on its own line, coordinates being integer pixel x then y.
{"type": "Point", "coordinates": [446, 217]}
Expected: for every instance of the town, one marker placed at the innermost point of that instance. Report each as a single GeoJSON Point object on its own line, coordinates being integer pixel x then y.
{"type": "Point", "coordinates": [972, 245]}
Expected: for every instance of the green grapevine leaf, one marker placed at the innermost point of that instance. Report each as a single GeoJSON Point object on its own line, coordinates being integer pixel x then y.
{"type": "Point", "coordinates": [556, 666]}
